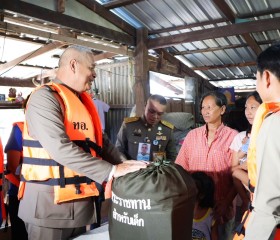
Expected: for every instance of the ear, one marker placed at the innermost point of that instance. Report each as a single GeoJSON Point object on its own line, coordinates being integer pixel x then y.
{"type": "Point", "coordinates": [223, 109]}
{"type": "Point", "coordinates": [267, 78]}
{"type": "Point", "coordinates": [145, 105]}
{"type": "Point", "coordinates": [73, 65]}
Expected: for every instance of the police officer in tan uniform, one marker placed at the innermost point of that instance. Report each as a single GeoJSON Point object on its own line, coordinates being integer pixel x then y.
{"type": "Point", "coordinates": [148, 129]}
{"type": "Point", "coordinates": [45, 119]}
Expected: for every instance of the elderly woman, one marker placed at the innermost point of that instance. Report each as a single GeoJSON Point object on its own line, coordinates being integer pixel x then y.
{"type": "Point", "coordinates": [207, 149]}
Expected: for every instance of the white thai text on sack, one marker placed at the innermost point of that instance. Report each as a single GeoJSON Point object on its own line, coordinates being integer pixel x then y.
{"type": "Point", "coordinates": [142, 204]}
{"type": "Point", "coordinates": [137, 204]}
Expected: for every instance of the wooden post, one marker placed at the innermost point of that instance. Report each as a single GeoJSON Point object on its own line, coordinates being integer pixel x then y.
{"type": "Point", "coordinates": [1, 15]}
{"type": "Point", "coordinates": [142, 85]}
{"type": "Point", "coordinates": [61, 6]}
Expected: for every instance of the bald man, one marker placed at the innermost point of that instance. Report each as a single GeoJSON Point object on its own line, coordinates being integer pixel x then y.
{"type": "Point", "coordinates": [63, 152]}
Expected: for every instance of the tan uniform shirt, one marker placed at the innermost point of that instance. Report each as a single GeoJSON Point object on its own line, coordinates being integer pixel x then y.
{"type": "Point", "coordinates": [45, 121]}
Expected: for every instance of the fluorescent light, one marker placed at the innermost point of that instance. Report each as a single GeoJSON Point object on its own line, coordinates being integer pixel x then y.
{"type": "Point", "coordinates": [245, 90]}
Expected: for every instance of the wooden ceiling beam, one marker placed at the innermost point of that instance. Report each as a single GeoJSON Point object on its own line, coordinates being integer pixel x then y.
{"type": "Point", "coordinates": [252, 43]}
{"type": "Point", "coordinates": [259, 13]}
{"type": "Point", "coordinates": [103, 56]}
{"type": "Point", "coordinates": [169, 57]}
{"type": "Point", "coordinates": [187, 26]}
{"type": "Point", "coordinates": [243, 64]}
{"type": "Point", "coordinates": [183, 68]}
{"type": "Point", "coordinates": [210, 49]}
{"type": "Point", "coordinates": [30, 55]}
{"type": "Point", "coordinates": [66, 21]}
{"type": "Point", "coordinates": [29, 66]}
{"type": "Point", "coordinates": [217, 32]}
{"type": "Point", "coordinates": [233, 79]}
{"type": "Point", "coordinates": [61, 6]}
{"type": "Point", "coordinates": [16, 82]}
{"type": "Point", "coordinates": [227, 11]}
{"type": "Point", "coordinates": [109, 16]}
{"type": "Point", "coordinates": [167, 69]}
{"type": "Point", "coordinates": [65, 39]}
{"type": "Point", "coordinates": [24, 22]}
{"type": "Point", "coordinates": [21, 39]}
{"type": "Point", "coordinates": [119, 3]}
{"type": "Point", "coordinates": [213, 49]}
{"type": "Point", "coordinates": [158, 64]}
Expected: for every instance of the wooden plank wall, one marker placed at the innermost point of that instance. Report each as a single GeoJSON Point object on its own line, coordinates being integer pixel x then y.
{"type": "Point", "coordinates": [115, 83]}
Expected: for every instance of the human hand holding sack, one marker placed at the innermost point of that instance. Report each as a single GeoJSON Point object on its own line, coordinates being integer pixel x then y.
{"type": "Point", "coordinates": [121, 169]}
{"type": "Point", "coordinates": [129, 166]}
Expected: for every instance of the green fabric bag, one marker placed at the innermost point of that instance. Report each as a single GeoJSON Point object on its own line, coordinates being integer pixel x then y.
{"type": "Point", "coordinates": [155, 203]}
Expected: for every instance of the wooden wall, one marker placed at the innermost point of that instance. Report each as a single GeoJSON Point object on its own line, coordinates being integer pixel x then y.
{"type": "Point", "coordinates": [115, 83]}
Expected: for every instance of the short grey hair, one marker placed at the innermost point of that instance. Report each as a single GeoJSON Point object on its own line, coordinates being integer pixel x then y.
{"type": "Point", "coordinates": [77, 48]}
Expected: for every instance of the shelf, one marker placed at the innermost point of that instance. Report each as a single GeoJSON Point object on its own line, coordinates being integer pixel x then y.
{"type": "Point", "coordinates": [10, 105]}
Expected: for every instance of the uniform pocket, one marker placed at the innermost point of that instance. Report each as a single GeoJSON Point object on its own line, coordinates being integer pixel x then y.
{"type": "Point", "coordinates": [46, 209]}
{"type": "Point", "coordinates": [133, 144]}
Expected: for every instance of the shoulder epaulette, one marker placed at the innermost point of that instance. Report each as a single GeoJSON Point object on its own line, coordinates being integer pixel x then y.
{"type": "Point", "coordinates": [167, 124]}
{"type": "Point", "coordinates": [131, 119]}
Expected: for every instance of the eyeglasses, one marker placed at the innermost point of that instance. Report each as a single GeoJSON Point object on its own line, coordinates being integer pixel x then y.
{"type": "Point", "coordinates": [154, 112]}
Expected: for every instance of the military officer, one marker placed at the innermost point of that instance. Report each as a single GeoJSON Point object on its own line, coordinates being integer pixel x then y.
{"type": "Point", "coordinates": [157, 134]}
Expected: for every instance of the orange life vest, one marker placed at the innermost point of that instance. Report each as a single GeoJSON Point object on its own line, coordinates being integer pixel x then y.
{"type": "Point", "coordinates": [263, 110]}
{"type": "Point", "coordinates": [2, 205]}
{"type": "Point", "coordinates": [82, 126]}
{"type": "Point", "coordinates": [245, 219]}
{"type": "Point", "coordinates": [11, 177]}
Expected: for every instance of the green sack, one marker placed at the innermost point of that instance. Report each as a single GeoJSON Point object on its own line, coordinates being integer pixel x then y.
{"type": "Point", "coordinates": [155, 203]}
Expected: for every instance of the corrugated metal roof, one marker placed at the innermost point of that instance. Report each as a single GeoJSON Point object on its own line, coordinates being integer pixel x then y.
{"type": "Point", "coordinates": [157, 15]}
{"type": "Point", "coordinates": [216, 58]}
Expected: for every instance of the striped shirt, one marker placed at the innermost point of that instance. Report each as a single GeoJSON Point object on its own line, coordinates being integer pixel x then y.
{"type": "Point", "coordinates": [214, 160]}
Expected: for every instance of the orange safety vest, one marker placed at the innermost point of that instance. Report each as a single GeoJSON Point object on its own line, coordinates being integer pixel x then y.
{"type": "Point", "coordinates": [11, 177]}
{"type": "Point", "coordinates": [2, 205]}
{"type": "Point", "coordinates": [262, 112]}
{"type": "Point", "coordinates": [82, 126]}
